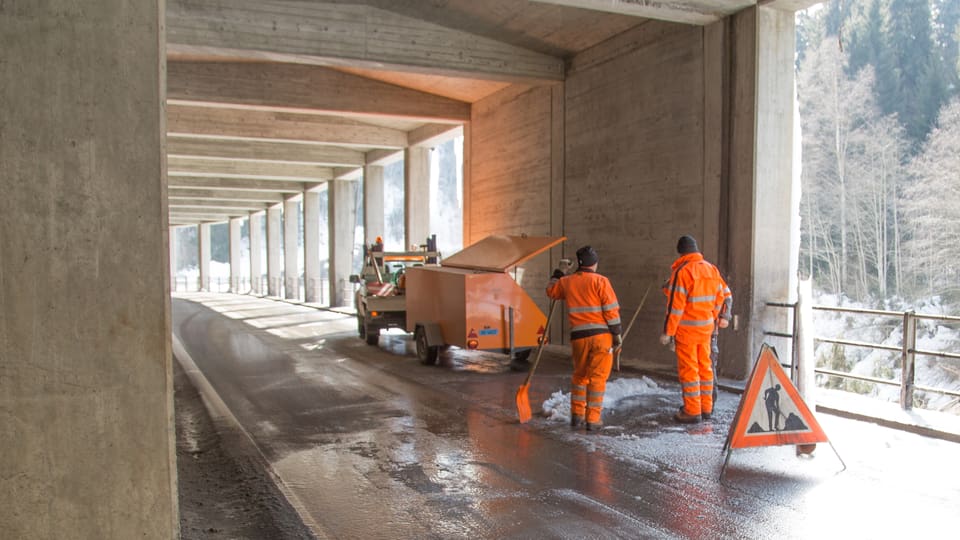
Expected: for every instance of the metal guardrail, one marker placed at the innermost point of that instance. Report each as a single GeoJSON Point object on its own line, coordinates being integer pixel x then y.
{"type": "Point", "coordinates": [908, 349]}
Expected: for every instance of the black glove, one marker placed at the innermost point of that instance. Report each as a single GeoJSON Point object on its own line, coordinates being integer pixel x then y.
{"type": "Point", "coordinates": [617, 341]}
{"type": "Point", "coordinates": [557, 274]}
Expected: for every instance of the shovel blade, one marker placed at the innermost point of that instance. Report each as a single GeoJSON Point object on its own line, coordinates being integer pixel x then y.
{"type": "Point", "coordinates": [523, 403]}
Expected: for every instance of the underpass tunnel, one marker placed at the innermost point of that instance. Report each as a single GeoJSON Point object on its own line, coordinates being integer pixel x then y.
{"type": "Point", "coordinates": [622, 128]}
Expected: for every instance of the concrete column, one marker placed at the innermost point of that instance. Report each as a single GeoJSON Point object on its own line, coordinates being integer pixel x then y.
{"type": "Point", "coordinates": [373, 211]}
{"type": "Point", "coordinates": [416, 195]}
{"type": "Point", "coordinates": [311, 245]}
{"type": "Point", "coordinates": [236, 273]}
{"type": "Point", "coordinates": [342, 223]}
{"type": "Point", "coordinates": [256, 252]}
{"type": "Point", "coordinates": [203, 255]}
{"type": "Point", "coordinates": [173, 257]}
{"type": "Point", "coordinates": [86, 390]}
{"type": "Point", "coordinates": [777, 201]}
{"type": "Point", "coordinates": [274, 261]}
{"type": "Point", "coordinates": [291, 241]}
{"type": "Point", "coordinates": [760, 182]}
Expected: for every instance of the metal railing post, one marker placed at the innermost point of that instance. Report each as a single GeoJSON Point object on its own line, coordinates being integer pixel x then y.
{"type": "Point", "coordinates": [908, 360]}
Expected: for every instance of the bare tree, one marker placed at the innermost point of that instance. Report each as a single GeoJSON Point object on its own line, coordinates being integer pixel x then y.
{"type": "Point", "coordinates": [932, 208]}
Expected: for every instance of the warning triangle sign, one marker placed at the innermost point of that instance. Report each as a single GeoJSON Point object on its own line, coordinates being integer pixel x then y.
{"type": "Point", "coordinates": [771, 411]}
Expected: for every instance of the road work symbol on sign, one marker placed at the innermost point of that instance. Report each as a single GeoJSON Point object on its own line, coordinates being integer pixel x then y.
{"type": "Point", "coordinates": [771, 411]}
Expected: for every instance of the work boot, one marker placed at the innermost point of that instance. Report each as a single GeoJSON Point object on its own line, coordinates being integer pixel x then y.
{"type": "Point", "coordinates": [706, 415]}
{"type": "Point", "coordinates": [576, 421]}
{"type": "Point", "coordinates": [684, 418]}
{"type": "Point", "coordinates": [594, 426]}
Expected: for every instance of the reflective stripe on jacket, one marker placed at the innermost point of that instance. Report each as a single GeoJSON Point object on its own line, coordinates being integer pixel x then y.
{"type": "Point", "coordinates": [695, 294]}
{"type": "Point", "coordinates": [591, 303]}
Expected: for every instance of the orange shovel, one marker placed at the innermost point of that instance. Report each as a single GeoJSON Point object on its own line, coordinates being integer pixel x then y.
{"type": "Point", "coordinates": [523, 399]}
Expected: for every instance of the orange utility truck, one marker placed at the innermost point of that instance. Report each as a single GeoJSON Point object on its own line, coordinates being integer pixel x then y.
{"type": "Point", "coordinates": [473, 301]}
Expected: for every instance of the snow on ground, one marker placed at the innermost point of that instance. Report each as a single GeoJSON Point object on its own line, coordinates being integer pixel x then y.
{"type": "Point", "coordinates": [932, 335]}
{"type": "Point", "coordinates": [557, 407]}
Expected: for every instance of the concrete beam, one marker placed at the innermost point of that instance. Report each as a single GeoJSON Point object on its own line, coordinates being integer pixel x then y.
{"type": "Point", "coordinates": [235, 184]}
{"type": "Point", "coordinates": [227, 123]}
{"type": "Point", "coordinates": [294, 88]}
{"type": "Point", "coordinates": [179, 166]}
{"type": "Point", "coordinates": [383, 158]}
{"type": "Point", "coordinates": [348, 173]}
{"type": "Point", "coordinates": [275, 152]}
{"type": "Point", "coordinates": [431, 135]}
{"type": "Point", "coordinates": [698, 12]}
{"type": "Point", "coordinates": [223, 195]}
{"type": "Point", "coordinates": [208, 203]}
{"type": "Point", "coordinates": [326, 33]}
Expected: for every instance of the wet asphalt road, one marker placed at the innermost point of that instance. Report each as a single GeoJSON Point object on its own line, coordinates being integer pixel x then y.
{"type": "Point", "coordinates": [371, 444]}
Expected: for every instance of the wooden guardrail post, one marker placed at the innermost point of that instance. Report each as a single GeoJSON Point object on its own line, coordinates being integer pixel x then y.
{"type": "Point", "coordinates": [908, 360]}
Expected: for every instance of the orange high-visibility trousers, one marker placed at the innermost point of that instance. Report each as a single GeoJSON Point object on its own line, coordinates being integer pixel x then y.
{"type": "Point", "coordinates": [696, 376]}
{"type": "Point", "coordinates": [592, 362]}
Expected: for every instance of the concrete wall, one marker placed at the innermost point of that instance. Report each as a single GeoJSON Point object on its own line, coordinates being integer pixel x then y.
{"type": "Point", "coordinates": [86, 397]}
{"type": "Point", "coordinates": [508, 185]}
{"type": "Point", "coordinates": [652, 135]}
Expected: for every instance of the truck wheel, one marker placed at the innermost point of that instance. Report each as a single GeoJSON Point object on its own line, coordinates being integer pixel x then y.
{"type": "Point", "coordinates": [522, 356]}
{"type": "Point", "coordinates": [426, 353]}
{"type": "Point", "coordinates": [372, 335]}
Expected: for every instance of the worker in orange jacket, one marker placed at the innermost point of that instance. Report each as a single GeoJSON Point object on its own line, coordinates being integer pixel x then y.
{"type": "Point", "coordinates": [695, 295]}
{"type": "Point", "coordinates": [594, 316]}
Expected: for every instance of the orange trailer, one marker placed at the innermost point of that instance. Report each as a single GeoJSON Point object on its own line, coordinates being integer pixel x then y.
{"type": "Point", "coordinates": [472, 302]}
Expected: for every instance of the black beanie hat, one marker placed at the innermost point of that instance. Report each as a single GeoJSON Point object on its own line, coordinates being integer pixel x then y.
{"type": "Point", "coordinates": [587, 256]}
{"type": "Point", "coordinates": [687, 244]}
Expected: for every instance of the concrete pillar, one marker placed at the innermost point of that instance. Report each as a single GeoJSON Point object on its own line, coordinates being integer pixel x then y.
{"type": "Point", "coordinates": [86, 390]}
{"type": "Point", "coordinates": [416, 195]}
{"type": "Point", "coordinates": [274, 264]}
{"type": "Point", "coordinates": [311, 245]}
{"type": "Point", "coordinates": [236, 272]}
{"type": "Point", "coordinates": [760, 183]}
{"type": "Point", "coordinates": [291, 241]}
{"type": "Point", "coordinates": [256, 252]}
{"type": "Point", "coordinates": [173, 257]}
{"type": "Point", "coordinates": [343, 220]}
{"type": "Point", "coordinates": [203, 255]}
{"type": "Point", "coordinates": [373, 211]}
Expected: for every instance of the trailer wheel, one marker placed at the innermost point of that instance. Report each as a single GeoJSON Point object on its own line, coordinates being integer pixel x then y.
{"type": "Point", "coordinates": [427, 354]}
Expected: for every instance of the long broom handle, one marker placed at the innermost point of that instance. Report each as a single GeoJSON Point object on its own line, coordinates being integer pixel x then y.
{"type": "Point", "coordinates": [637, 312]}
{"type": "Point", "coordinates": [543, 340]}
{"type": "Point", "coordinates": [629, 326]}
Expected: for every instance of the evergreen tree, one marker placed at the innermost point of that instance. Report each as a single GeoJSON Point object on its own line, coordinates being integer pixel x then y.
{"type": "Point", "coordinates": [866, 43]}
{"type": "Point", "coordinates": [912, 91]}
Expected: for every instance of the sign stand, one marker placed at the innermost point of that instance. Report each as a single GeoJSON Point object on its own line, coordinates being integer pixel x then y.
{"type": "Point", "coordinates": [772, 413]}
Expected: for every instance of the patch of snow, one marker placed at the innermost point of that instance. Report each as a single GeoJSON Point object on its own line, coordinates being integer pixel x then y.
{"type": "Point", "coordinates": [557, 406]}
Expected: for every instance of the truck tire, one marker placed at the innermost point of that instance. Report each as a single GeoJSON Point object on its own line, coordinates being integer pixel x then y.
{"type": "Point", "coordinates": [427, 354]}
{"type": "Point", "coordinates": [372, 335]}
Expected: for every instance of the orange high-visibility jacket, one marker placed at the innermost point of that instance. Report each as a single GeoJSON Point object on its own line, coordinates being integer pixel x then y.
{"type": "Point", "coordinates": [695, 295]}
{"type": "Point", "coordinates": [591, 303]}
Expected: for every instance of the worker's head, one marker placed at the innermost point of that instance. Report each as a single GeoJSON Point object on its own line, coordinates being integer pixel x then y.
{"type": "Point", "coordinates": [687, 244]}
{"type": "Point", "coordinates": [587, 257]}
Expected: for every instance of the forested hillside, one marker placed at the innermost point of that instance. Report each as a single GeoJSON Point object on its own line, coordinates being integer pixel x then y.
{"type": "Point", "coordinates": [877, 82]}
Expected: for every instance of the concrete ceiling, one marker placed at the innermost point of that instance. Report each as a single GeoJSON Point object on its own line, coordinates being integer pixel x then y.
{"type": "Point", "coordinates": [266, 98]}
